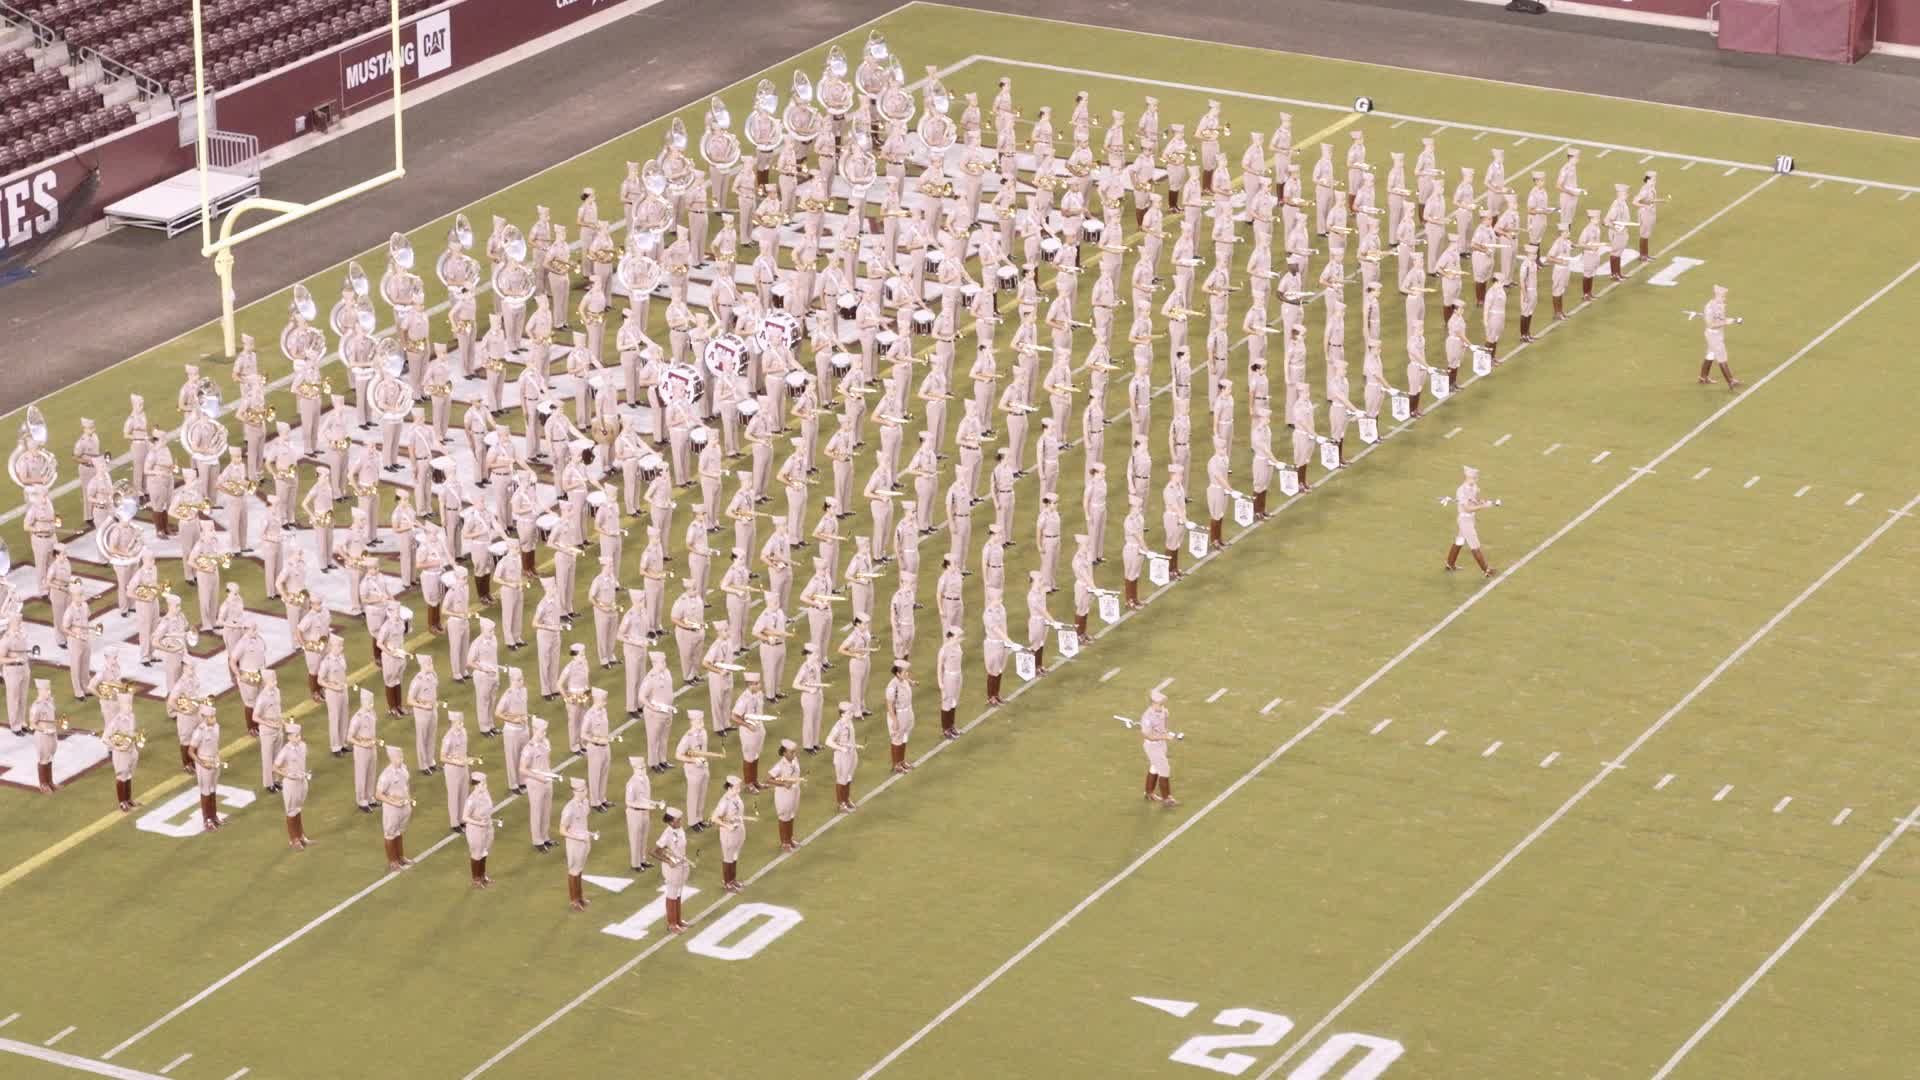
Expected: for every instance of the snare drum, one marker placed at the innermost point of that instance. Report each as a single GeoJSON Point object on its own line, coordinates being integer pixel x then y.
{"type": "Point", "coordinates": [848, 304]}
{"type": "Point", "coordinates": [885, 339]}
{"type": "Point", "coordinates": [748, 408]}
{"type": "Point", "coordinates": [842, 363]}
{"type": "Point", "coordinates": [1008, 277]}
{"type": "Point", "coordinates": [1049, 246]}
{"type": "Point", "coordinates": [797, 379]}
{"type": "Point", "coordinates": [923, 321]}
{"type": "Point", "coordinates": [1092, 229]}
{"type": "Point", "coordinates": [934, 258]}
{"type": "Point", "coordinates": [968, 293]}
{"type": "Point", "coordinates": [699, 435]}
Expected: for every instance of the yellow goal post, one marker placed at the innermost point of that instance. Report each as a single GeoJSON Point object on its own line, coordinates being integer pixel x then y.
{"type": "Point", "coordinates": [285, 213]}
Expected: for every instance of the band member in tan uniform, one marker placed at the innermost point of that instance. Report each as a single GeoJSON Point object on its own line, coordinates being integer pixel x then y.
{"type": "Point", "coordinates": [574, 819]}
{"type": "Point", "coordinates": [1716, 320]}
{"type": "Point", "coordinates": [1154, 737]}
{"type": "Point", "coordinates": [1468, 502]}
{"type": "Point", "coordinates": [207, 767]}
{"type": "Point", "coordinates": [671, 850]}
{"type": "Point", "coordinates": [846, 756]}
{"type": "Point", "coordinates": [395, 792]}
{"type": "Point", "coordinates": [477, 816]}
{"type": "Point", "coordinates": [730, 814]}
{"type": "Point", "coordinates": [291, 775]}
{"type": "Point", "coordinates": [785, 779]}
{"type": "Point", "coordinates": [639, 802]}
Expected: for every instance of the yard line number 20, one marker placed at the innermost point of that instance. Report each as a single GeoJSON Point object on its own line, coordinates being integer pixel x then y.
{"type": "Point", "coordinates": [1212, 1052]}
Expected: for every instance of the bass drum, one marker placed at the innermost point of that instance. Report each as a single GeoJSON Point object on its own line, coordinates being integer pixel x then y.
{"type": "Point", "coordinates": [681, 384]}
{"type": "Point", "coordinates": [726, 355]}
{"type": "Point", "coordinates": [779, 328]}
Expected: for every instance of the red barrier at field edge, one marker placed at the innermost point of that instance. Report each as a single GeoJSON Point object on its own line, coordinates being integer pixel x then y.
{"type": "Point", "coordinates": [1823, 30]}
{"type": "Point", "coordinates": [434, 43]}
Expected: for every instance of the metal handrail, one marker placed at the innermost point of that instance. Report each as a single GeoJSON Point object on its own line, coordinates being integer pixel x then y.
{"type": "Point", "coordinates": [147, 86]}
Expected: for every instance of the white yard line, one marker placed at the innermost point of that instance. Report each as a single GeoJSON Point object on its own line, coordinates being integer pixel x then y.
{"type": "Point", "coordinates": [1843, 815]}
{"type": "Point", "coordinates": [1664, 781]}
{"type": "Point", "coordinates": [1793, 939]}
{"type": "Point", "coordinates": [1381, 726]}
{"type": "Point", "coordinates": [1452, 433]}
{"type": "Point", "coordinates": [1702, 473]}
{"type": "Point", "coordinates": [1721, 795]}
{"type": "Point", "coordinates": [1501, 441]}
{"type": "Point", "coordinates": [1782, 804]}
{"type": "Point", "coordinates": [328, 915]}
{"type": "Point", "coordinates": [242, 1071]}
{"type": "Point", "coordinates": [1597, 458]}
{"type": "Point", "coordinates": [1550, 759]}
{"type": "Point", "coordinates": [72, 1061]}
{"type": "Point", "coordinates": [1161, 686]}
{"type": "Point", "coordinates": [1436, 736]}
{"type": "Point", "coordinates": [1492, 748]}
{"type": "Point", "coordinates": [1270, 706]}
{"type": "Point", "coordinates": [1856, 497]}
{"type": "Point", "coordinates": [1804, 488]}
{"type": "Point", "coordinates": [1216, 695]}
{"type": "Point", "coordinates": [8, 1019]}
{"type": "Point", "coordinates": [175, 1063]}
{"type": "Point", "coordinates": [1111, 672]}
{"type": "Point", "coordinates": [1467, 605]}
{"type": "Point", "coordinates": [1549, 449]}
{"type": "Point", "coordinates": [1440, 124]}
{"type": "Point", "coordinates": [61, 1034]}
{"type": "Point", "coordinates": [1815, 186]}
{"type": "Point", "coordinates": [1312, 1034]}
{"type": "Point", "coordinates": [1752, 480]}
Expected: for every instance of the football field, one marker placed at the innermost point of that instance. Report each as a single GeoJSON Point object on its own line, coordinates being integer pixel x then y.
{"type": "Point", "coordinates": [1637, 806]}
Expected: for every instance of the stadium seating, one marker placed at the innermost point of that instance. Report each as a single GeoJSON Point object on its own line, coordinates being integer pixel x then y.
{"type": "Point", "coordinates": [42, 114]}
{"type": "Point", "coordinates": [243, 38]}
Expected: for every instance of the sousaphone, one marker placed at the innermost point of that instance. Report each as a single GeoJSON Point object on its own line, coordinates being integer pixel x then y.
{"type": "Point", "coordinates": [122, 541]}
{"type": "Point", "coordinates": [513, 281]}
{"type": "Point", "coordinates": [895, 105]}
{"type": "Point", "coordinates": [802, 117]}
{"type": "Point", "coordinates": [638, 271]}
{"type": "Point", "coordinates": [858, 168]}
{"type": "Point", "coordinates": [674, 164]}
{"type": "Point", "coordinates": [836, 93]}
{"type": "Point", "coordinates": [31, 464]}
{"type": "Point", "coordinates": [393, 282]}
{"type": "Point", "coordinates": [204, 439]}
{"type": "Point", "coordinates": [873, 75]}
{"type": "Point", "coordinates": [455, 266]}
{"type": "Point", "coordinates": [718, 144]}
{"type": "Point", "coordinates": [936, 130]}
{"type": "Point", "coordinates": [763, 127]}
{"type": "Point", "coordinates": [345, 310]}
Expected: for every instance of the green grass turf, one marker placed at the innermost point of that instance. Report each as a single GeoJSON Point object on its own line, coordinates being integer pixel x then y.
{"type": "Point", "coordinates": [1597, 952]}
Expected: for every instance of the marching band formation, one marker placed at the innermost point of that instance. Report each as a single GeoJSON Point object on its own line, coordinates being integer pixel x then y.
{"type": "Point", "coordinates": [818, 287]}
